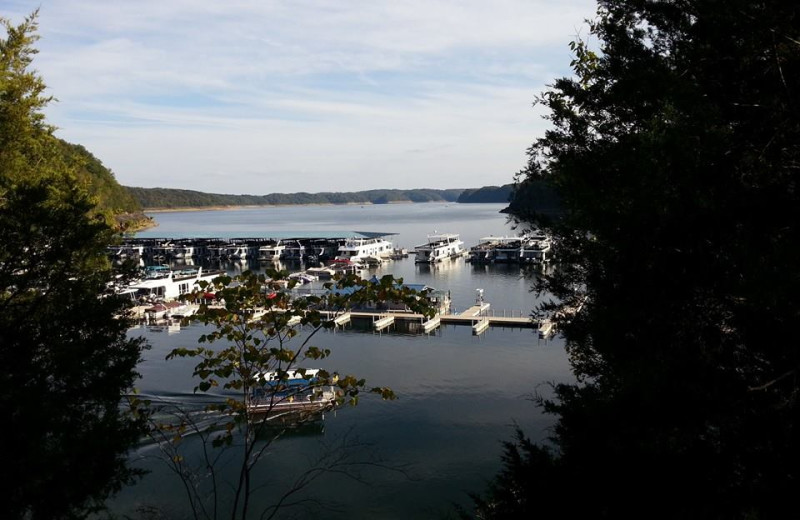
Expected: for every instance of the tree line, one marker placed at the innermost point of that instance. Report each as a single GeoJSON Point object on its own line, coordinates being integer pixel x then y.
{"type": "Point", "coordinates": [167, 198]}
{"type": "Point", "coordinates": [673, 149]}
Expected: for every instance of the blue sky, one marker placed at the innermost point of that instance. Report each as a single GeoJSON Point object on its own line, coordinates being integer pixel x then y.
{"type": "Point", "coordinates": [283, 96]}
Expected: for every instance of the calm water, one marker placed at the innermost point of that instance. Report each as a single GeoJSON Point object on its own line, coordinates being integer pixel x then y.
{"type": "Point", "coordinates": [459, 395]}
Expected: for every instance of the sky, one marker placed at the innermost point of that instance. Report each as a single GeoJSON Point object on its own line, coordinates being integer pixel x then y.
{"type": "Point", "coordinates": [267, 96]}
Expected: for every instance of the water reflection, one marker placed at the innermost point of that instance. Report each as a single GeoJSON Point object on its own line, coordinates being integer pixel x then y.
{"type": "Point", "coordinates": [459, 394]}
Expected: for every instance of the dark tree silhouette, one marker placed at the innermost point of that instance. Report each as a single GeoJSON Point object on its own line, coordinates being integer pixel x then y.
{"type": "Point", "coordinates": [674, 150]}
{"type": "Point", "coordinates": [65, 359]}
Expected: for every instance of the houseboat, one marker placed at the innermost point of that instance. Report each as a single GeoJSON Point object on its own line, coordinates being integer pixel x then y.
{"type": "Point", "coordinates": [271, 252]}
{"type": "Point", "coordinates": [297, 395]}
{"type": "Point", "coordinates": [358, 250]}
{"type": "Point", "coordinates": [184, 251]}
{"type": "Point", "coordinates": [239, 252]}
{"type": "Point", "coordinates": [484, 252]}
{"type": "Point", "coordinates": [530, 248]}
{"type": "Point", "coordinates": [536, 249]}
{"type": "Point", "coordinates": [439, 247]}
{"type": "Point", "coordinates": [509, 250]}
{"type": "Point", "coordinates": [162, 252]}
{"type": "Point", "coordinates": [164, 284]}
{"type": "Point", "coordinates": [293, 252]}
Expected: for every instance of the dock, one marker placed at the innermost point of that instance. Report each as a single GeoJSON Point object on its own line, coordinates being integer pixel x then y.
{"type": "Point", "coordinates": [382, 323]}
{"type": "Point", "coordinates": [342, 320]}
{"type": "Point", "coordinates": [478, 317]}
{"type": "Point", "coordinates": [431, 325]}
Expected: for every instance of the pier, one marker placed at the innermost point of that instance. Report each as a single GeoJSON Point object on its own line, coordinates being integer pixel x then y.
{"type": "Point", "coordinates": [476, 317]}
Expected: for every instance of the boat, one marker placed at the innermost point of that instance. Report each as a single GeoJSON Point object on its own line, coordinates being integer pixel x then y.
{"type": "Point", "coordinates": [439, 247]}
{"type": "Point", "coordinates": [530, 248]}
{"type": "Point", "coordinates": [162, 283]}
{"type": "Point", "coordinates": [271, 252]}
{"type": "Point", "coordinates": [239, 252]}
{"type": "Point", "coordinates": [321, 273]}
{"type": "Point", "coordinates": [294, 251]}
{"type": "Point", "coordinates": [399, 253]}
{"type": "Point", "coordinates": [294, 394]}
{"type": "Point", "coordinates": [536, 248]}
{"type": "Point", "coordinates": [184, 251]}
{"type": "Point", "coordinates": [179, 309]}
{"type": "Point", "coordinates": [357, 250]}
{"type": "Point", "coordinates": [303, 277]}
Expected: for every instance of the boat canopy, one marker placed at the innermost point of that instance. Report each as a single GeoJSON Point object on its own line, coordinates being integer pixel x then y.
{"type": "Point", "coordinates": [273, 235]}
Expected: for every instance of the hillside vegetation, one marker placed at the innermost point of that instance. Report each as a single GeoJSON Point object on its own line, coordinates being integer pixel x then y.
{"type": "Point", "coordinates": [111, 197]}
{"type": "Point", "coordinates": [166, 198]}
{"type": "Point", "coordinates": [487, 194]}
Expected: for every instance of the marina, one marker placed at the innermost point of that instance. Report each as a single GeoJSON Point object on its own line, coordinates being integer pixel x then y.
{"type": "Point", "coordinates": [306, 247]}
{"type": "Point", "coordinates": [447, 406]}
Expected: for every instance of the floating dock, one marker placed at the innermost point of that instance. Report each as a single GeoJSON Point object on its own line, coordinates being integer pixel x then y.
{"type": "Point", "coordinates": [478, 317]}
{"type": "Point", "coordinates": [382, 323]}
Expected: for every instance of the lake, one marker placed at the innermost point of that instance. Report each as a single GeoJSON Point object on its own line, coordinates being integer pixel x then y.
{"type": "Point", "coordinates": [459, 395]}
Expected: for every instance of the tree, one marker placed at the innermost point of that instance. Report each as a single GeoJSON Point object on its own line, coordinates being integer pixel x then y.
{"type": "Point", "coordinates": [253, 349]}
{"type": "Point", "coordinates": [65, 357]}
{"type": "Point", "coordinates": [674, 150]}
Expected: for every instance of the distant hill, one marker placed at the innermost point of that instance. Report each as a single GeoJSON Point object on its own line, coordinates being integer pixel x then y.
{"type": "Point", "coordinates": [112, 198]}
{"type": "Point", "coordinates": [167, 198]}
{"type": "Point", "coordinates": [487, 194]}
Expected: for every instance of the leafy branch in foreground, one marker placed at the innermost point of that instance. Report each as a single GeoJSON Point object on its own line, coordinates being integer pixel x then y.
{"type": "Point", "coordinates": [254, 356]}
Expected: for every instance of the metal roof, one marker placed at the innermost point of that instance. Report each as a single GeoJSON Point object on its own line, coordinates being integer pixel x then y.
{"type": "Point", "coordinates": [282, 235]}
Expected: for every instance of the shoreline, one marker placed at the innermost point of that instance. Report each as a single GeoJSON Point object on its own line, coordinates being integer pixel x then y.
{"type": "Point", "coordinates": [252, 206]}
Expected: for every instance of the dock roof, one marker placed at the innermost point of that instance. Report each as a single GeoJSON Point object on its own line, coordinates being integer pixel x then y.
{"type": "Point", "coordinates": [278, 235]}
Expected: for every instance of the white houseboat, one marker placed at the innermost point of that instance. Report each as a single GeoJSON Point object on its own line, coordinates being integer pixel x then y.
{"type": "Point", "coordinates": [184, 251]}
{"type": "Point", "coordinates": [271, 252]}
{"type": "Point", "coordinates": [536, 249]}
{"type": "Point", "coordinates": [439, 247]}
{"type": "Point", "coordinates": [169, 285]}
{"type": "Point", "coordinates": [531, 248]}
{"type": "Point", "coordinates": [239, 252]}
{"type": "Point", "coordinates": [358, 250]}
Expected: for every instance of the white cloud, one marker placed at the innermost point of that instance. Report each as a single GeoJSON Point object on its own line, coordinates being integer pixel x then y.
{"type": "Point", "coordinates": [262, 96]}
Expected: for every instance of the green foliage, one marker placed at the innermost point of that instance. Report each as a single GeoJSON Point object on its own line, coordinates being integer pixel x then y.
{"type": "Point", "coordinates": [256, 331]}
{"type": "Point", "coordinates": [170, 198]}
{"type": "Point", "coordinates": [66, 360]}
{"type": "Point", "coordinates": [487, 194]}
{"type": "Point", "coordinates": [99, 180]}
{"type": "Point", "coordinates": [674, 152]}
{"type": "Point", "coordinates": [534, 199]}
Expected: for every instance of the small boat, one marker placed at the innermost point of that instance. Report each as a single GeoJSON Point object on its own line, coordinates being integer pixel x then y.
{"type": "Point", "coordinates": [156, 311]}
{"type": "Point", "coordinates": [179, 309]}
{"type": "Point", "coordinates": [322, 273]}
{"type": "Point", "coordinates": [303, 277]}
{"type": "Point", "coordinates": [294, 394]}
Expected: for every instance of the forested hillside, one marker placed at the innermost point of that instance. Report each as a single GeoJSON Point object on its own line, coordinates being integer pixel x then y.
{"type": "Point", "coordinates": [112, 198]}
{"type": "Point", "coordinates": [487, 194]}
{"type": "Point", "coordinates": [152, 198]}
{"type": "Point", "coordinates": [534, 198]}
